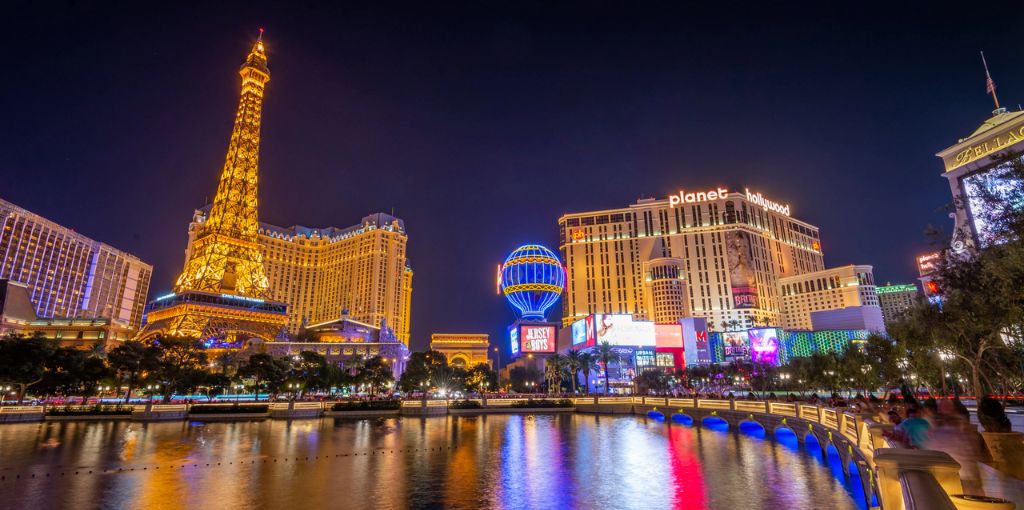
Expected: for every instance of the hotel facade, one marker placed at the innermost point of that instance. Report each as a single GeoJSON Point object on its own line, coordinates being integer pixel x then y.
{"type": "Point", "coordinates": [359, 272]}
{"type": "Point", "coordinates": [716, 254]}
{"type": "Point", "coordinates": [68, 275]}
{"type": "Point", "coordinates": [836, 298]}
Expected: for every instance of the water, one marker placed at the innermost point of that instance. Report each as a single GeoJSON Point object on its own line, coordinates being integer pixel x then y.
{"type": "Point", "coordinates": [497, 461]}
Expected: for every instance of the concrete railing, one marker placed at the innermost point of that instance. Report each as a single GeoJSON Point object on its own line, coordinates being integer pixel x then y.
{"type": "Point", "coordinates": [782, 409]}
{"type": "Point", "coordinates": [920, 491]}
{"type": "Point", "coordinates": [21, 409]}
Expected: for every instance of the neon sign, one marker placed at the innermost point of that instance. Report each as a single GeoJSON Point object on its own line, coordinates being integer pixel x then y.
{"type": "Point", "coordinates": [767, 205]}
{"type": "Point", "coordinates": [701, 196]}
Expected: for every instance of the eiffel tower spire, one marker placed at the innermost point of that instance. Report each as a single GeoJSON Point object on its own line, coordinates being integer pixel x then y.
{"type": "Point", "coordinates": [226, 257]}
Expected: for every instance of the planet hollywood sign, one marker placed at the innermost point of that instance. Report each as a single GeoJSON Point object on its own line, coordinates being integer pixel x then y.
{"type": "Point", "coordinates": [758, 199]}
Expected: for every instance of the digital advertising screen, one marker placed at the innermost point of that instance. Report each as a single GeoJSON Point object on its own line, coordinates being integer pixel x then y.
{"type": "Point", "coordinates": [513, 335]}
{"type": "Point", "coordinates": [764, 345]}
{"type": "Point", "coordinates": [738, 252]}
{"type": "Point", "coordinates": [736, 345]}
{"type": "Point", "coordinates": [582, 331]}
{"type": "Point", "coordinates": [668, 335]}
{"type": "Point", "coordinates": [989, 195]}
{"type": "Point", "coordinates": [621, 330]}
{"type": "Point", "coordinates": [538, 339]}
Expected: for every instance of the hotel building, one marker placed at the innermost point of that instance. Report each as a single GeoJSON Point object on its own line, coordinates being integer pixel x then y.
{"type": "Point", "coordinates": [715, 254]}
{"type": "Point", "coordinates": [323, 272]}
{"type": "Point", "coordinates": [896, 299]}
{"type": "Point", "coordinates": [68, 275]}
{"type": "Point", "coordinates": [847, 294]}
{"type": "Point", "coordinates": [463, 350]}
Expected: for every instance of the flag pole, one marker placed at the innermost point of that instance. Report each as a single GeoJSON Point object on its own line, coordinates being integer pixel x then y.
{"type": "Point", "coordinates": [990, 86]}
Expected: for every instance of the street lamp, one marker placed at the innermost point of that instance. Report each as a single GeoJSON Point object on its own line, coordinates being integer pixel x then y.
{"type": "Point", "coordinates": [945, 356]}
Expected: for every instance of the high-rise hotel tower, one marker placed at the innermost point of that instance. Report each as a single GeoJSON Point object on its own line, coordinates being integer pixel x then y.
{"type": "Point", "coordinates": [716, 254]}
{"type": "Point", "coordinates": [69, 275]}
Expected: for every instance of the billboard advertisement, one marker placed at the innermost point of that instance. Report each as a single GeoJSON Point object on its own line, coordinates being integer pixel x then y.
{"type": "Point", "coordinates": [583, 333]}
{"type": "Point", "coordinates": [695, 340]}
{"type": "Point", "coordinates": [621, 330]}
{"type": "Point", "coordinates": [668, 335]}
{"type": "Point", "coordinates": [739, 254]}
{"type": "Point", "coordinates": [990, 196]}
{"type": "Point", "coordinates": [537, 339]}
{"type": "Point", "coordinates": [764, 345]}
{"type": "Point", "coordinates": [736, 345]}
{"type": "Point", "coordinates": [513, 335]}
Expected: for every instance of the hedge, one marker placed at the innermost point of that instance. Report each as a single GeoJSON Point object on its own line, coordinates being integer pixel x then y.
{"type": "Point", "coordinates": [228, 408]}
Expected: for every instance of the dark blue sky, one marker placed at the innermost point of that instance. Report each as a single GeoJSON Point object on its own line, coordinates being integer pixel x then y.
{"type": "Point", "coordinates": [480, 123]}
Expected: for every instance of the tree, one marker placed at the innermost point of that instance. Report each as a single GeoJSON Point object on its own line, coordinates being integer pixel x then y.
{"type": "Point", "coordinates": [573, 364]}
{"type": "Point", "coordinates": [652, 382]}
{"type": "Point", "coordinates": [376, 374]}
{"type": "Point", "coordinates": [520, 378]}
{"type": "Point", "coordinates": [267, 370]}
{"type": "Point", "coordinates": [481, 378]}
{"type": "Point", "coordinates": [181, 366]}
{"type": "Point", "coordinates": [23, 360]}
{"type": "Point", "coordinates": [587, 363]}
{"type": "Point", "coordinates": [130, 361]}
{"type": "Point", "coordinates": [554, 368]}
{"type": "Point", "coordinates": [422, 370]}
{"type": "Point", "coordinates": [314, 373]}
{"type": "Point", "coordinates": [605, 354]}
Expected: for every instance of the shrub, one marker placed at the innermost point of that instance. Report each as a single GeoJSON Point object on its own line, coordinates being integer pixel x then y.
{"type": "Point", "coordinates": [94, 410]}
{"type": "Point", "coordinates": [367, 405]}
{"type": "Point", "coordinates": [531, 403]}
{"type": "Point", "coordinates": [464, 404]}
{"type": "Point", "coordinates": [228, 408]}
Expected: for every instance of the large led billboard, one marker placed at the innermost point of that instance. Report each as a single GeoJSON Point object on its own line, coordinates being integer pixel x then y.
{"type": "Point", "coordinates": [736, 345]}
{"type": "Point", "coordinates": [579, 332]}
{"type": "Point", "coordinates": [537, 339]}
{"type": "Point", "coordinates": [764, 345]}
{"type": "Point", "coordinates": [621, 330]}
{"type": "Point", "coordinates": [991, 194]}
{"type": "Point", "coordinates": [738, 252]}
{"type": "Point", "coordinates": [668, 335]}
{"type": "Point", "coordinates": [695, 340]}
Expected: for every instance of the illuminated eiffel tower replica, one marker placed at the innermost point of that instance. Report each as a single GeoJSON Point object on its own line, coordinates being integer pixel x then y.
{"type": "Point", "coordinates": [221, 295]}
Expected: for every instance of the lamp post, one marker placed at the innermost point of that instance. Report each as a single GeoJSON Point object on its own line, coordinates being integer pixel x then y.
{"type": "Point", "coordinates": [497, 363]}
{"type": "Point", "coordinates": [944, 356]}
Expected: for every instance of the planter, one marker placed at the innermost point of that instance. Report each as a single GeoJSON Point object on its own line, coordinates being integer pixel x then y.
{"type": "Point", "coordinates": [1007, 450]}
{"type": "Point", "coordinates": [965, 502]}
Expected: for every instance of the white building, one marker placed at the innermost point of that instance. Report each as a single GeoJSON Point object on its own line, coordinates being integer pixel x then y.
{"type": "Point", "coordinates": [830, 289]}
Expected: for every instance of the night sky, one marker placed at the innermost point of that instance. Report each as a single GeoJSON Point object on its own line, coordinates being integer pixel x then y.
{"type": "Point", "coordinates": [480, 123]}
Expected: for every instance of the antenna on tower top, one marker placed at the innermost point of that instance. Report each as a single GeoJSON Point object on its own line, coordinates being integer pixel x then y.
{"type": "Point", "coordinates": [260, 38]}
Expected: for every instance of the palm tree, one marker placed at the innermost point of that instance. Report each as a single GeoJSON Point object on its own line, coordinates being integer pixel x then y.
{"type": "Point", "coordinates": [573, 363]}
{"type": "Point", "coordinates": [605, 355]}
{"type": "Point", "coordinates": [587, 363]}
{"type": "Point", "coordinates": [553, 368]}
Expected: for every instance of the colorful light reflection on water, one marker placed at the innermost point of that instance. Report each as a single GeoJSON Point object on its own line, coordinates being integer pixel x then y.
{"type": "Point", "coordinates": [498, 461]}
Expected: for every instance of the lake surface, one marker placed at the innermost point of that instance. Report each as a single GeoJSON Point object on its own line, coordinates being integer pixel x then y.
{"type": "Point", "coordinates": [496, 461]}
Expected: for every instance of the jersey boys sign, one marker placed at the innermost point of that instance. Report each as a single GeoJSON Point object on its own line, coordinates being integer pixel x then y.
{"type": "Point", "coordinates": [539, 339]}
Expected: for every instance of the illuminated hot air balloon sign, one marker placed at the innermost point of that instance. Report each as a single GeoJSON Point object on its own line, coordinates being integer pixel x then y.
{"type": "Point", "coordinates": [532, 279]}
